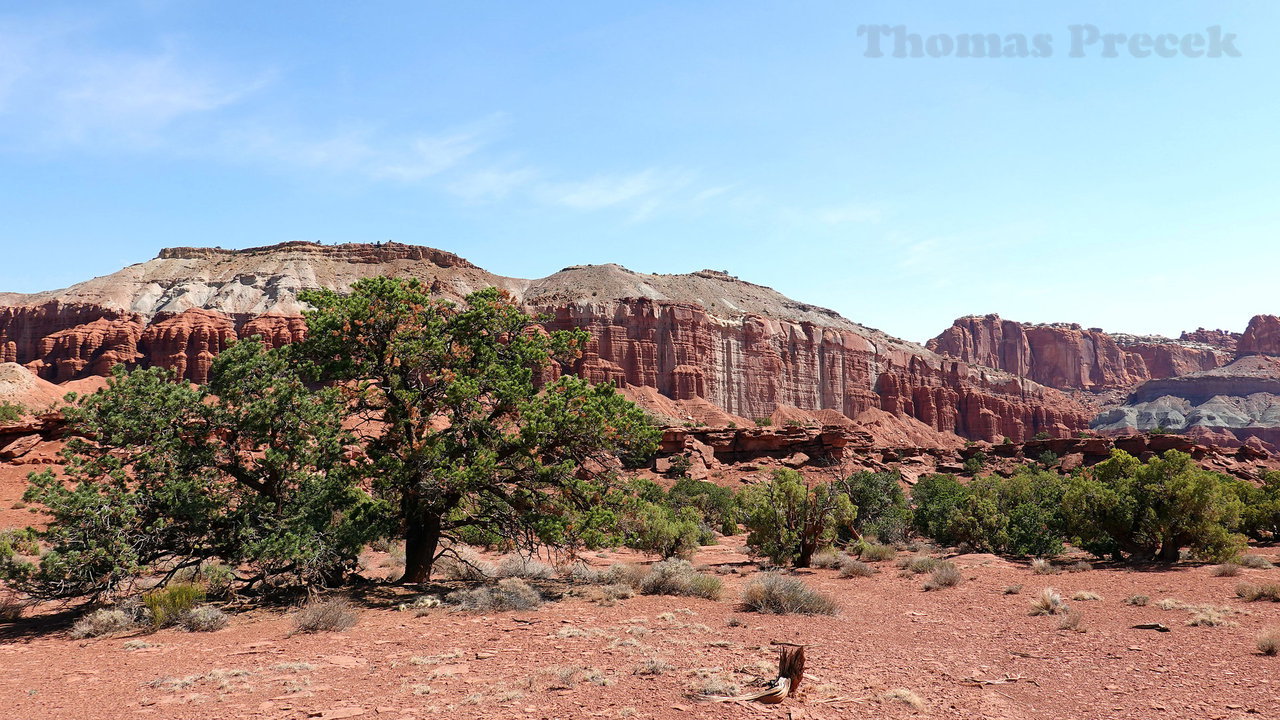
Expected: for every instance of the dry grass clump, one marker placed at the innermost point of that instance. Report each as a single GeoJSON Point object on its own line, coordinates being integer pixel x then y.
{"type": "Point", "coordinates": [205, 618]}
{"type": "Point", "coordinates": [1137, 600]}
{"type": "Point", "coordinates": [872, 552]}
{"type": "Point", "coordinates": [677, 577]}
{"type": "Point", "coordinates": [1071, 621]}
{"type": "Point", "coordinates": [519, 566]}
{"type": "Point", "coordinates": [1085, 595]}
{"type": "Point", "coordinates": [1048, 602]}
{"type": "Point", "coordinates": [169, 605]}
{"type": "Point", "coordinates": [324, 616]}
{"type": "Point", "coordinates": [855, 568]}
{"type": "Point", "coordinates": [1208, 617]}
{"type": "Point", "coordinates": [463, 563]}
{"type": "Point", "coordinates": [1040, 566]}
{"type": "Point", "coordinates": [1227, 569]}
{"type": "Point", "coordinates": [102, 622]}
{"type": "Point", "coordinates": [905, 697]}
{"type": "Point", "coordinates": [775, 594]}
{"type": "Point", "coordinates": [715, 685]}
{"type": "Point", "coordinates": [1012, 589]}
{"type": "Point", "coordinates": [1079, 567]}
{"type": "Point", "coordinates": [1256, 562]}
{"type": "Point", "coordinates": [508, 594]}
{"type": "Point", "coordinates": [1269, 641]}
{"type": "Point", "coordinates": [1171, 604]}
{"type": "Point", "coordinates": [827, 558]}
{"type": "Point", "coordinates": [11, 608]}
{"type": "Point", "coordinates": [1253, 593]}
{"type": "Point", "coordinates": [944, 576]}
{"type": "Point", "coordinates": [653, 666]}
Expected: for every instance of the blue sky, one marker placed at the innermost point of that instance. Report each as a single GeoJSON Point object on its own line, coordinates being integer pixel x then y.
{"type": "Point", "coordinates": [1138, 195]}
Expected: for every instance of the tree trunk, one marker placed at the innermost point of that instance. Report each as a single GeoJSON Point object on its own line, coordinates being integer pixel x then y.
{"type": "Point", "coordinates": [421, 538]}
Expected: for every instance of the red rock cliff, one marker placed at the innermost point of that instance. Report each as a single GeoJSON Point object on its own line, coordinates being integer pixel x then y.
{"type": "Point", "coordinates": [1068, 357]}
{"type": "Point", "coordinates": [1262, 337]}
{"type": "Point", "coordinates": [705, 337]}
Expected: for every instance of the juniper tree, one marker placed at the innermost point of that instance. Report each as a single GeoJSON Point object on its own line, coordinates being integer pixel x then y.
{"type": "Point", "coordinates": [459, 432]}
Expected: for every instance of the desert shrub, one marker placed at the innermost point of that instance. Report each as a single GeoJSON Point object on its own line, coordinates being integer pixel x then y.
{"type": "Point", "coordinates": [625, 574]}
{"type": "Point", "coordinates": [1071, 621]}
{"type": "Point", "coordinates": [775, 594]}
{"type": "Point", "coordinates": [1255, 562]}
{"type": "Point", "coordinates": [11, 607]}
{"type": "Point", "coordinates": [936, 498]}
{"type": "Point", "coordinates": [882, 508]}
{"type": "Point", "coordinates": [102, 622]}
{"type": "Point", "coordinates": [789, 521]}
{"type": "Point", "coordinates": [204, 618]}
{"type": "Point", "coordinates": [324, 616]}
{"type": "Point", "coordinates": [715, 505]}
{"type": "Point", "coordinates": [508, 594]}
{"type": "Point", "coordinates": [1085, 595]}
{"type": "Point", "coordinates": [1260, 516]}
{"type": "Point", "coordinates": [19, 542]}
{"type": "Point", "coordinates": [944, 576]}
{"type": "Point", "coordinates": [1137, 600]}
{"type": "Point", "coordinates": [677, 577]}
{"type": "Point", "coordinates": [1254, 593]}
{"type": "Point", "coordinates": [1269, 641]}
{"type": "Point", "coordinates": [462, 563]}
{"type": "Point", "coordinates": [519, 566]}
{"type": "Point", "coordinates": [1208, 617]}
{"type": "Point", "coordinates": [827, 558]}
{"type": "Point", "coordinates": [855, 568]}
{"type": "Point", "coordinates": [906, 697]}
{"type": "Point", "coordinates": [1227, 569]}
{"type": "Point", "coordinates": [11, 412]}
{"type": "Point", "coordinates": [1152, 510]}
{"type": "Point", "coordinates": [1040, 566]}
{"type": "Point", "coordinates": [1012, 589]}
{"type": "Point", "coordinates": [660, 530]}
{"type": "Point", "coordinates": [975, 463]}
{"type": "Point", "coordinates": [168, 605]}
{"type": "Point", "coordinates": [1048, 602]}
{"type": "Point", "coordinates": [872, 552]}
{"type": "Point", "coordinates": [1079, 567]}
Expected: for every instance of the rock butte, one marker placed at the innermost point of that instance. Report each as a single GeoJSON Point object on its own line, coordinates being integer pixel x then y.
{"type": "Point", "coordinates": [704, 345]}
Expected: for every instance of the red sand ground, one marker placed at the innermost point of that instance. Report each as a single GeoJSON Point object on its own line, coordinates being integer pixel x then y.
{"type": "Point", "coordinates": [889, 634]}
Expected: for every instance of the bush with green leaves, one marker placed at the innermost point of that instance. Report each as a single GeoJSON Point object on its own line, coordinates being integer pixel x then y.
{"type": "Point", "coordinates": [1260, 514]}
{"type": "Point", "coordinates": [788, 520]}
{"type": "Point", "coordinates": [11, 412]}
{"type": "Point", "coordinates": [882, 508]}
{"type": "Point", "coordinates": [659, 530]}
{"type": "Point", "coordinates": [1151, 511]}
{"type": "Point", "coordinates": [160, 476]}
{"type": "Point", "coordinates": [1019, 515]}
{"type": "Point", "coordinates": [715, 505]}
{"type": "Point", "coordinates": [169, 605]}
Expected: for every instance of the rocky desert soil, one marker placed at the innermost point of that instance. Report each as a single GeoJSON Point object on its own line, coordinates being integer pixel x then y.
{"type": "Point", "coordinates": [893, 651]}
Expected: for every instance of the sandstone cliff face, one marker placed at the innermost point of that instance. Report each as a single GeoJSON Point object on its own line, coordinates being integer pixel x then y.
{"type": "Point", "coordinates": [704, 339]}
{"type": "Point", "coordinates": [1068, 357]}
{"type": "Point", "coordinates": [1262, 337]}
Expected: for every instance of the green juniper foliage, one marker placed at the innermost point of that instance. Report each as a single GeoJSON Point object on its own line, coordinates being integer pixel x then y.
{"type": "Point", "coordinates": [1152, 510]}
{"type": "Point", "coordinates": [790, 521]}
{"type": "Point", "coordinates": [468, 439]}
{"type": "Point", "coordinates": [248, 471]}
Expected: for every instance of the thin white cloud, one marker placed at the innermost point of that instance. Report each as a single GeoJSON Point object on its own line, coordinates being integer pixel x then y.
{"type": "Point", "coordinates": [491, 184]}
{"type": "Point", "coordinates": [57, 89]}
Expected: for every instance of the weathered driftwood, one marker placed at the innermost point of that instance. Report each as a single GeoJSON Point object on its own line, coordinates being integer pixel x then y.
{"type": "Point", "coordinates": [790, 674]}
